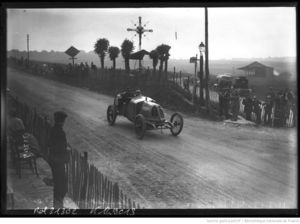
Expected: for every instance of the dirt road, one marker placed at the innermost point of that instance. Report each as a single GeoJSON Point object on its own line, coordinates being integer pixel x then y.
{"type": "Point", "coordinates": [209, 165]}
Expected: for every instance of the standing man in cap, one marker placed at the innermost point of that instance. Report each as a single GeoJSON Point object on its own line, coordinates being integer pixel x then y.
{"type": "Point", "coordinates": [268, 110]}
{"type": "Point", "coordinates": [58, 158]}
{"type": "Point", "coordinates": [235, 104]}
{"type": "Point", "coordinates": [271, 95]}
{"type": "Point", "coordinates": [226, 103]}
{"type": "Point", "coordinates": [247, 102]}
{"type": "Point", "coordinates": [257, 109]}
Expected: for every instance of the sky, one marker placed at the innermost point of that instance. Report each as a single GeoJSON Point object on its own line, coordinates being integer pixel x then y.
{"type": "Point", "coordinates": [233, 32]}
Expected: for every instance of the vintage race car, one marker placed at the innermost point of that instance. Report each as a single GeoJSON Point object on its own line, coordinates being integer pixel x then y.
{"type": "Point", "coordinates": [241, 84]}
{"type": "Point", "coordinates": [144, 112]}
{"type": "Point", "coordinates": [224, 82]}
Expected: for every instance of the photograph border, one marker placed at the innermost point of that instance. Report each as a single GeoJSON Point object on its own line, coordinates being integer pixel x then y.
{"type": "Point", "coordinates": [138, 212]}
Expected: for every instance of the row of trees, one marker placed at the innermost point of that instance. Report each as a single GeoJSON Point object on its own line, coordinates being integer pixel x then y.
{"type": "Point", "coordinates": [101, 48]}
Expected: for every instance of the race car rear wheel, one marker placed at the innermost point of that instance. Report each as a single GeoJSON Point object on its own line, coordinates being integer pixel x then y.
{"type": "Point", "coordinates": [111, 114]}
{"type": "Point", "coordinates": [177, 124]}
{"type": "Point", "coordinates": [140, 126]}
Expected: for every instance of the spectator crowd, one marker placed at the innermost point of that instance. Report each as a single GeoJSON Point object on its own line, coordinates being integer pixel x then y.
{"type": "Point", "coordinates": [277, 110]}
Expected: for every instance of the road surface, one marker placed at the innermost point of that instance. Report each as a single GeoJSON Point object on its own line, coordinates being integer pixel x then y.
{"type": "Point", "coordinates": [209, 165]}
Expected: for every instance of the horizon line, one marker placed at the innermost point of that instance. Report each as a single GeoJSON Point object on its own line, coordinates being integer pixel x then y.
{"type": "Point", "coordinates": [215, 59]}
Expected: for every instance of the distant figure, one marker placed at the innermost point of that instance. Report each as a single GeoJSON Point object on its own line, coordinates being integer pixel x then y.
{"type": "Point", "coordinates": [226, 102]}
{"type": "Point", "coordinates": [248, 104]}
{"type": "Point", "coordinates": [257, 109]}
{"type": "Point", "coordinates": [277, 110]}
{"type": "Point", "coordinates": [81, 67]}
{"type": "Point", "coordinates": [138, 92]}
{"type": "Point", "coordinates": [282, 105]}
{"type": "Point", "coordinates": [221, 103]}
{"type": "Point", "coordinates": [58, 158]}
{"type": "Point", "coordinates": [268, 110]}
{"type": "Point", "coordinates": [93, 66]}
{"type": "Point", "coordinates": [289, 101]}
{"type": "Point", "coordinates": [186, 84]}
{"type": "Point", "coordinates": [271, 95]}
{"type": "Point", "coordinates": [294, 110]}
{"type": "Point", "coordinates": [235, 104]}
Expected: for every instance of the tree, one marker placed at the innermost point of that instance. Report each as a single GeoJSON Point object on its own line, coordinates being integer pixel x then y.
{"type": "Point", "coordinates": [126, 49]}
{"type": "Point", "coordinates": [113, 54]}
{"type": "Point", "coordinates": [154, 56]}
{"type": "Point", "coordinates": [166, 56]}
{"type": "Point", "coordinates": [100, 48]}
{"type": "Point", "coordinates": [160, 51]}
{"type": "Point", "coordinates": [163, 52]}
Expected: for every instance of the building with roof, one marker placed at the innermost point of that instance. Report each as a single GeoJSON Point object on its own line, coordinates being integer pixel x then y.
{"type": "Point", "coordinates": [257, 69]}
{"type": "Point", "coordinates": [139, 55]}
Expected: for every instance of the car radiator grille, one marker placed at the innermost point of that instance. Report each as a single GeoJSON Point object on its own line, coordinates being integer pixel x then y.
{"type": "Point", "coordinates": [161, 113]}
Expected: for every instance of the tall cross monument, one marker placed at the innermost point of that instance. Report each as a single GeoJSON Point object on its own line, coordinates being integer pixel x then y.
{"type": "Point", "coordinates": [140, 30]}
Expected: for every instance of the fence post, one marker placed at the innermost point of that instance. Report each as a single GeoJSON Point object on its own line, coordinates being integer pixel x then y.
{"type": "Point", "coordinates": [83, 191]}
{"type": "Point", "coordinates": [116, 195]}
{"type": "Point", "coordinates": [85, 156]}
{"type": "Point", "coordinates": [129, 203]}
{"type": "Point", "coordinates": [122, 199]}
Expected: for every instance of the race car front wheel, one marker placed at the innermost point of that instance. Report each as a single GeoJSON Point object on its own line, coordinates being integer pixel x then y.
{"type": "Point", "coordinates": [177, 124]}
{"type": "Point", "coordinates": [111, 114]}
{"type": "Point", "coordinates": [140, 126]}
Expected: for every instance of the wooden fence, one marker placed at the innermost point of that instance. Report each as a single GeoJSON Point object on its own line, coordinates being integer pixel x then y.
{"type": "Point", "coordinates": [105, 80]}
{"type": "Point", "coordinates": [109, 81]}
{"type": "Point", "coordinates": [87, 186]}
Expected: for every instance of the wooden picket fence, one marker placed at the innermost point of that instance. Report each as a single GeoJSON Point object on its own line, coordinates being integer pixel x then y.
{"type": "Point", "coordinates": [87, 186]}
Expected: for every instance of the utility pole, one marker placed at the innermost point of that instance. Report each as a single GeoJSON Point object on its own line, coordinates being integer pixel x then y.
{"type": "Point", "coordinates": [27, 49]}
{"type": "Point", "coordinates": [206, 63]}
{"type": "Point", "coordinates": [201, 78]}
{"type": "Point", "coordinates": [140, 30]}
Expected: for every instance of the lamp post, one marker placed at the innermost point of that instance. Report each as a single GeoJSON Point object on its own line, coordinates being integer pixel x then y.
{"type": "Point", "coordinates": [194, 60]}
{"type": "Point", "coordinates": [201, 49]}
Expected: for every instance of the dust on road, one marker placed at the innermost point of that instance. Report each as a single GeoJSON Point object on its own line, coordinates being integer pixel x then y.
{"type": "Point", "coordinates": [209, 165]}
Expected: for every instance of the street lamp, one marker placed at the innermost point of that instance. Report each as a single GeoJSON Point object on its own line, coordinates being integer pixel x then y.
{"type": "Point", "coordinates": [194, 60]}
{"type": "Point", "coordinates": [201, 49]}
